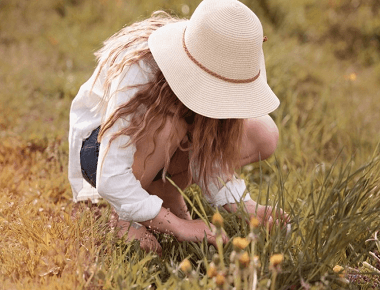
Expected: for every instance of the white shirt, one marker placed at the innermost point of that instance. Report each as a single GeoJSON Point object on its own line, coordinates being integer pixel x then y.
{"type": "Point", "coordinates": [115, 179]}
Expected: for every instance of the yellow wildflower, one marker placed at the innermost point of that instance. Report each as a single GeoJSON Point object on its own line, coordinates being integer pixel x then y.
{"type": "Point", "coordinates": [185, 266]}
{"type": "Point", "coordinates": [352, 77]}
{"type": "Point", "coordinates": [254, 222]}
{"type": "Point", "coordinates": [220, 280]}
{"type": "Point", "coordinates": [276, 259]}
{"type": "Point", "coordinates": [244, 260]}
{"type": "Point", "coordinates": [211, 272]}
{"type": "Point", "coordinates": [217, 220]}
{"type": "Point", "coordinates": [240, 243]}
{"type": "Point", "coordinates": [339, 270]}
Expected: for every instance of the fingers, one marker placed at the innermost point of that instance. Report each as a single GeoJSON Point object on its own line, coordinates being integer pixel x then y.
{"type": "Point", "coordinates": [138, 232]}
{"type": "Point", "coordinates": [211, 237]}
{"type": "Point", "coordinates": [150, 244]}
{"type": "Point", "coordinates": [226, 239]}
{"type": "Point", "coordinates": [195, 231]}
{"type": "Point", "coordinates": [268, 216]}
{"type": "Point", "coordinates": [282, 218]}
{"type": "Point", "coordinates": [267, 213]}
{"type": "Point", "coordinates": [212, 240]}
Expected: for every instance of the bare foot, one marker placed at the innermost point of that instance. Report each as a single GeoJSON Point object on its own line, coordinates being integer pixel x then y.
{"type": "Point", "coordinates": [138, 232]}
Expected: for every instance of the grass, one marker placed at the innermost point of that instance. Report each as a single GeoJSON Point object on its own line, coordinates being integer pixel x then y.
{"type": "Point", "coordinates": [322, 61]}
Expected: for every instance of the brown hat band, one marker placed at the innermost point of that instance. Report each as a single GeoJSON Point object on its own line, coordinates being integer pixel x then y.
{"type": "Point", "coordinates": [236, 81]}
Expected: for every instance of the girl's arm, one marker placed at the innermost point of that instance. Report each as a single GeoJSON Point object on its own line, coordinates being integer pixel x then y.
{"type": "Point", "coordinates": [232, 192]}
{"type": "Point", "coordinates": [116, 181]}
{"type": "Point", "coordinates": [183, 230]}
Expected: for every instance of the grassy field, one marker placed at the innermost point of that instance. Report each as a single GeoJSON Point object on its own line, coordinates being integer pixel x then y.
{"type": "Point", "coordinates": [323, 62]}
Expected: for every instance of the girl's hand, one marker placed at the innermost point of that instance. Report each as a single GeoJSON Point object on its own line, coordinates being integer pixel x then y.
{"type": "Point", "coordinates": [138, 232]}
{"type": "Point", "coordinates": [266, 215]}
{"type": "Point", "coordinates": [182, 229]}
{"type": "Point", "coordinates": [195, 230]}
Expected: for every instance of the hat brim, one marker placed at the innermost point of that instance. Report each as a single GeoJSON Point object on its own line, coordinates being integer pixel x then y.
{"type": "Point", "coordinates": [201, 92]}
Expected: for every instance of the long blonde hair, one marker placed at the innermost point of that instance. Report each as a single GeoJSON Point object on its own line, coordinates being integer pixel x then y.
{"type": "Point", "coordinates": [215, 143]}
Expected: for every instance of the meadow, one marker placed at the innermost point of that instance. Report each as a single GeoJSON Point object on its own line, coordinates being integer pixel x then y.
{"type": "Point", "coordinates": [323, 62]}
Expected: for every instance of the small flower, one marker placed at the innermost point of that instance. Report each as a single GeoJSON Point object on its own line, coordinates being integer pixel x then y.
{"type": "Point", "coordinates": [256, 261]}
{"type": "Point", "coordinates": [212, 272]}
{"type": "Point", "coordinates": [352, 77]}
{"type": "Point", "coordinates": [233, 256]}
{"type": "Point", "coordinates": [217, 220]}
{"type": "Point", "coordinates": [220, 280]}
{"type": "Point", "coordinates": [240, 243]}
{"type": "Point", "coordinates": [216, 259]}
{"type": "Point", "coordinates": [276, 259]}
{"type": "Point", "coordinates": [339, 270]}
{"type": "Point", "coordinates": [244, 260]}
{"type": "Point", "coordinates": [185, 266]}
{"type": "Point", "coordinates": [254, 222]}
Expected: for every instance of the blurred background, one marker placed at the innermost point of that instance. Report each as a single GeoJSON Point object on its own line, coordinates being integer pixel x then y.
{"type": "Point", "coordinates": [47, 46]}
{"type": "Point", "coordinates": [322, 61]}
{"type": "Point", "coordinates": [322, 58]}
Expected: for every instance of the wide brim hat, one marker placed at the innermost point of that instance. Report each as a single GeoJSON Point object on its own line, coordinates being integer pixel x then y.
{"type": "Point", "coordinates": [214, 62]}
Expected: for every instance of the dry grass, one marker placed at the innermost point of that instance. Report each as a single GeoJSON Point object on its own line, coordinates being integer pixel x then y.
{"type": "Point", "coordinates": [326, 171]}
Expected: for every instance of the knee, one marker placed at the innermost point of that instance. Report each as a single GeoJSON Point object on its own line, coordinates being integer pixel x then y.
{"type": "Point", "coordinates": [263, 133]}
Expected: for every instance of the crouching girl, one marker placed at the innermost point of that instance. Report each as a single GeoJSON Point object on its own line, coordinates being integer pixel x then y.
{"type": "Point", "coordinates": [181, 98]}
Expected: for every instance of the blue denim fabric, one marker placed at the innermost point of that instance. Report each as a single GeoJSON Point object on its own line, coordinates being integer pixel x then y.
{"type": "Point", "coordinates": [89, 155]}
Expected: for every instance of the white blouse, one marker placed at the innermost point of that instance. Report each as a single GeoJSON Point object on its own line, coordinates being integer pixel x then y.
{"type": "Point", "coordinates": [115, 179]}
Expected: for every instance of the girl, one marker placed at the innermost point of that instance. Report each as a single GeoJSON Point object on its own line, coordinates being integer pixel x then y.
{"type": "Point", "coordinates": [184, 98]}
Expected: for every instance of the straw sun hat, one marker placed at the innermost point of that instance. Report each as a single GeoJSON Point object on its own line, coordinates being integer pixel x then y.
{"type": "Point", "coordinates": [214, 62]}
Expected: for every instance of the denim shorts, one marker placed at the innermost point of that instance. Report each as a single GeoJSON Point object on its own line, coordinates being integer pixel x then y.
{"type": "Point", "coordinates": [89, 155]}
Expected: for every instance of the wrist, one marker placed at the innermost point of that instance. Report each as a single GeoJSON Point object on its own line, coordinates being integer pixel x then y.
{"type": "Point", "coordinates": [164, 222]}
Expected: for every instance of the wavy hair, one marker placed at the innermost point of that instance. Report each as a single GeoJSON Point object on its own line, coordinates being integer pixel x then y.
{"type": "Point", "coordinates": [214, 143]}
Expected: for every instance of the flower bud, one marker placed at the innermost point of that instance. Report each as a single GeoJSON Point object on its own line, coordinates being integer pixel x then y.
{"type": "Point", "coordinates": [240, 243]}
{"type": "Point", "coordinates": [217, 220]}
{"type": "Point", "coordinates": [233, 256]}
{"type": "Point", "coordinates": [216, 259]}
{"type": "Point", "coordinates": [244, 260]}
{"type": "Point", "coordinates": [212, 272]}
{"type": "Point", "coordinates": [220, 280]}
{"type": "Point", "coordinates": [185, 266]}
{"type": "Point", "coordinates": [339, 270]}
{"type": "Point", "coordinates": [276, 259]}
{"type": "Point", "coordinates": [256, 261]}
{"type": "Point", "coordinates": [254, 223]}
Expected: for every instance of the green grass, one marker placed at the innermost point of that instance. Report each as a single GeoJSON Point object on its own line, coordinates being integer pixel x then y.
{"type": "Point", "coordinates": [323, 62]}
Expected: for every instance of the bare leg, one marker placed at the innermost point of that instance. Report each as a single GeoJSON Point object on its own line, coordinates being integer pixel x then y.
{"type": "Point", "coordinates": [149, 159]}
{"type": "Point", "coordinates": [172, 198]}
{"type": "Point", "coordinates": [259, 139]}
{"type": "Point", "coordinates": [259, 142]}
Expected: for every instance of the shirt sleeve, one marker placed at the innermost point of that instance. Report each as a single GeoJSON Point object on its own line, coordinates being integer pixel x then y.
{"type": "Point", "coordinates": [232, 191]}
{"type": "Point", "coordinates": [115, 179]}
